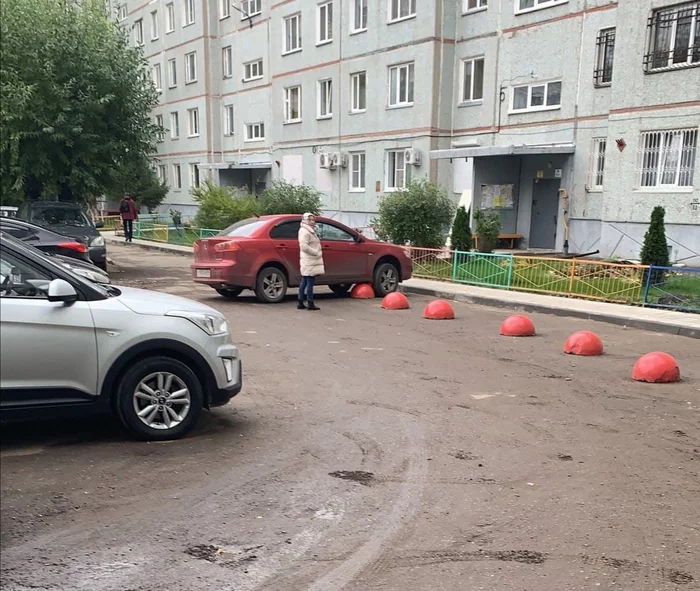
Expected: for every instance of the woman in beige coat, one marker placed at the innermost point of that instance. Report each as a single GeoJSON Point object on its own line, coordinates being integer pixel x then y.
{"type": "Point", "coordinates": [310, 261]}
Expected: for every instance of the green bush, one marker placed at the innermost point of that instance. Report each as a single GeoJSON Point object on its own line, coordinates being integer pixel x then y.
{"type": "Point", "coordinates": [488, 228]}
{"type": "Point", "coordinates": [219, 207]}
{"type": "Point", "coordinates": [655, 248]}
{"type": "Point", "coordinates": [461, 237]}
{"type": "Point", "coordinates": [419, 215]}
{"type": "Point", "coordinates": [283, 197]}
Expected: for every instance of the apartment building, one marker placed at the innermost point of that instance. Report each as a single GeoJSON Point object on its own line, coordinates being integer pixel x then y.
{"type": "Point", "coordinates": [528, 107]}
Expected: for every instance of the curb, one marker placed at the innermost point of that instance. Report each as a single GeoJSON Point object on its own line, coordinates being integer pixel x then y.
{"type": "Point", "coordinates": [154, 247]}
{"type": "Point", "coordinates": [494, 302]}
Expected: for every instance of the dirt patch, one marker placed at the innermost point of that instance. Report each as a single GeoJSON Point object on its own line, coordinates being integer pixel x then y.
{"type": "Point", "coordinates": [565, 457]}
{"type": "Point", "coordinates": [524, 556]}
{"type": "Point", "coordinates": [679, 577]}
{"type": "Point", "coordinates": [359, 476]}
{"type": "Point", "coordinates": [204, 552]}
{"type": "Point", "coordinates": [463, 455]}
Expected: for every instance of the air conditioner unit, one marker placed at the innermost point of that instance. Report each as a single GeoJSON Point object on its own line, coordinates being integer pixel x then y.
{"type": "Point", "coordinates": [412, 157]}
{"type": "Point", "coordinates": [343, 160]}
{"type": "Point", "coordinates": [324, 160]}
{"type": "Point", "coordinates": [334, 160]}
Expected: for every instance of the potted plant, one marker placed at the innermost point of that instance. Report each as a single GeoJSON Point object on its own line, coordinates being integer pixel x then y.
{"type": "Point", "coordinates": [488, 228]}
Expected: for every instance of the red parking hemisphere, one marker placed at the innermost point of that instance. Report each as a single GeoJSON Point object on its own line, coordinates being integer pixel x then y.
{"type": "Point", "coordinates": [362, 291]}
{"type": "Point", "coordinates": [517, 326]}
{"type": "Point", "coordinates": [656, 367]}
{"type": "Point", "coordinates": [395, 301]}
{"type": "Point", "coordinates": [584, 342]}
{"type": "Point", "coordinates": [439, 310]}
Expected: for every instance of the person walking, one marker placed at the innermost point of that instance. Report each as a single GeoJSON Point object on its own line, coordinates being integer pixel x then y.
{"type": "Point", "coordinates": [310, 261]}
{"type": "Point", "coordinates": [129, 213]}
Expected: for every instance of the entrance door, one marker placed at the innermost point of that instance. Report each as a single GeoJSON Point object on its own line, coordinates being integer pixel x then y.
{"type": "Point", "coordinates": [545, 212]}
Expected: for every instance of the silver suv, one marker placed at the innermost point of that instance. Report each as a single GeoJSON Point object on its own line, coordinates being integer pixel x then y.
{"type": "Point", "coordinates": [70, 345]}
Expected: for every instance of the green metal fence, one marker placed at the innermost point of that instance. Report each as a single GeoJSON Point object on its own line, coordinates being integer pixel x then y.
{"type": "Point", "coordinates": [489, 270]}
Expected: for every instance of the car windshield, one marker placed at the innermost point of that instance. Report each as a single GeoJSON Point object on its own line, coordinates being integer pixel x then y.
{"type": "Point", "coordinates": [60, 216]}
{"type": "Point", "coordinates": [243, 228]}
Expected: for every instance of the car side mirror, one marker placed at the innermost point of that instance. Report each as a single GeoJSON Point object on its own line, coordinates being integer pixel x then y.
{"type": "Point", "coordinates": [62, 291]}
{"type": "Point", "coordinates": [99, 224]}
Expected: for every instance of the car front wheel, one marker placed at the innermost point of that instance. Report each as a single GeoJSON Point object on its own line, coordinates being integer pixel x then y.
{"type": "Point", "coordinates": [159, 398]}
{"type": "Point", "coordinates": [271, 285]}
{"type": "Point", "coordinates": [340, 288]}
{"type": "Point", "coordinates": [386, 279]}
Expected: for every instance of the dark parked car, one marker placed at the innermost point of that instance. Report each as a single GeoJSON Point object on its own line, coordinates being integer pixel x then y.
{"type": "Point", "coordinates": [262, 254]}
{"type": "Point", "coordinates": [68, 219]}
{"type": "Point", "coordinates": [45, 240]}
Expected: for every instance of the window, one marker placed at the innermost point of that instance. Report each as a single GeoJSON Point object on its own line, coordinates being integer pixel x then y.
{"type": "Point", "coordinates": [398, 175]}
{"type": "Point", "coordinates": [224, 8]}
{"type": "Point", "coordinates": [251, 8]}
{"type": "Point", "coordinates": [157, 77]}
{"type": "Point", "coordinates": [596, 164]}
{"type": "Point", "coordinates": [472, 80]}
{"type": "Point", "coordinates": [286, 231]}
{"type": "Point", "coordinates": [400, 9]}
{"type": "Point", "coordinates": [21, 280]}
{"type": "Point", "coordinates": [177, 177]}
{"type": "Point", "coordinates": [154, 26]}
{"type": "Point", "coordinates": [292, 33]}
{"type": "Point", "coordinates": [194, 175]}
{"type": "Point", "coordinates": [191, 67]}
{"type": "Point", "coordinates": [537, 97]}
{"type": "Point", "coordinates": [674, 37]}
{"type": "Point", "coordinates": [254, 132]}
{"type": "Point", "coordinates": [474, 5]}
{"type": "Point", "coordinates": [401, 85]}
{"type": "Point", "coordinates": [666, 159]}
{"type": "Point", "coordinates": [605, 48]}
{"type": "Point", "coordinates": [358, 18]}
{"type": "Point", "coordinates": [358, 88]}
{"type": "Point", "coordinates": [228, 120]}
{"type": "Point", "coordinates": [193, 122]}
{"type": "Point", "coordinates": [325, 22]}
{"type": "Point", "coordinates": [162, 174]}
{"type": "Point", "coordinates": [172, 73]}
{"type": "Point", "coordinates": [189, 12]}
{"type": "Point", "coordinates": [325, 99]}
{"type": "Point", "coordinates": [530, 5]}
{"type": "Point", "coordinates": [161, 131]}
{"type": "Point", "coordinates": [227, 61]}
{"type": "Point", "coordinates": [357, 171]}
{"type": "Point", "coordinates": [174, 125]}
{"type": "Point", "coordinates": [138, 33]}
{"type": "Point", "coordinates": [122, 12]}
{"type": "Point", "coordinates": [292, 104]}
{"type": "Point", "coordinates": [253, 70]}
{"type": "Point", "coordinates": [334, 233]}
{"type": "Point", "coordinates": [169, 18]}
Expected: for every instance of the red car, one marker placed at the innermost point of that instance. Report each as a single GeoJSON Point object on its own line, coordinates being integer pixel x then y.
{"type": "Point", "coordinates": [262, 254]}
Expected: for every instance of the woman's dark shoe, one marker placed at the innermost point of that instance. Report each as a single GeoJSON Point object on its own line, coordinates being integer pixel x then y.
{"type": "Point", "coordinates": [301, 306]}
{"type": "Point", "coordinates": [313, 306]}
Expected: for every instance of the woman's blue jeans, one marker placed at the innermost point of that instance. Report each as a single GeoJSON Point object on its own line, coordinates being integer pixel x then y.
{"type": "Point", "coordinates": [307, 285]}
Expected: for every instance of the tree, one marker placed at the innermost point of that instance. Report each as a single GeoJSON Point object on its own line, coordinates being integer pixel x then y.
{"type": "Point", "coordinates": [219, 207]}
{"type": "Point", "coordinates": [418, 215]}
{"type": "Point", "coordinates": [140, 181]}
{"type": "Point", "coordinates": [488, 228]}
{"type": "Point", "coordinates": [75, 101]}
{"type": "Point", "coordinates": [283, 197]}
{"type": "Point", "coordinates": [461, 237]}
{"type": "Point", "coordinates": [655, 248]}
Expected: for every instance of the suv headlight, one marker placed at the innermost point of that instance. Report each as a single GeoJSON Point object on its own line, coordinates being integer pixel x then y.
{"type": "Point", "coordinates": [212, 325]}
{"type": "Point", "coordinates": [97, 241]}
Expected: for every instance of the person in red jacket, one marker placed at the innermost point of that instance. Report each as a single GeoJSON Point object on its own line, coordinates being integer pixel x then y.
{"type": "Point", "coordinates": [129, 213]}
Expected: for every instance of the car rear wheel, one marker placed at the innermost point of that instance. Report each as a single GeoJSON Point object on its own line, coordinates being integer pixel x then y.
{"type": "Point", "coordinates": [159, 398]}
{"type": "Point", "coordinates": [340, 288]}
{"type": "Point", "coordinates": [386, 279]}
{"type": "Point", "coordinates": [271, 285]}
{"type": "Point", "coordinates": [230, 292]}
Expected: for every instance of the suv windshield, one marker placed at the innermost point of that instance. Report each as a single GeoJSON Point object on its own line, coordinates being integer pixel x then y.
{"type": "Point", "coordinates": [244, 227]}
{"type": "Point", "coordinates": [59, 216]}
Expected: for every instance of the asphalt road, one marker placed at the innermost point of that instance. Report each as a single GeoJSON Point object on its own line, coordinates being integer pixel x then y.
{"type": "Point", "coordinates": [374, 450]}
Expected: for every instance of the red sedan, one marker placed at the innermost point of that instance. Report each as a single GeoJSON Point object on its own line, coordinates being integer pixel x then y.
{"type": "Point", "coordinates": [262, 254]}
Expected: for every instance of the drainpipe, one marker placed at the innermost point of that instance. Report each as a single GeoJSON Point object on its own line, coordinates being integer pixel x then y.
{"type": "Point", "coordinates": [565, 217]}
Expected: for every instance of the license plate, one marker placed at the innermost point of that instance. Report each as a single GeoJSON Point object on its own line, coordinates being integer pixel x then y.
{"type": "Point", "coordinates": [204, 273]}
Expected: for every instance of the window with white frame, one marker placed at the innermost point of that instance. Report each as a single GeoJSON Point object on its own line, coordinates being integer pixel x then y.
{"type": "Point", "coordinates": [161, 131]}
{"type": "Point", "coordinates": [325, 22]}
{"type": "Point", "coordinates": [177, 177]}
{"type": "Point", "coordinates": [325, 99]}
{"type": "Point", "coordinates": [174, 125]}
{"type": "Point", "coordinates": [666, 159]}
{"type": "Point", "coordinates": [472, 80]}
{"type": "Point", "coordinates": [536, 97]}
{"type": "Point", "coordinates": [596, 164]}
{"type": "Point", "coordinates": [292, 33]}
{"type": "Point", "coordinates": [172, 73]}
{"type": "Point", "coordinates": [224, 8]}
{"type": "Point", "coordinates": [169, 17]}
{"type": "Point", "coordinates": [398, 175]}
{"type": "Point", "coordinates": [605, 51]}
{"type": "Point", "coordinates": [529, 5]}
{"type": "Point", "coordinates": [253, 70]}
{"type": "Point", "coordinates": [227, 61]}
{"type": "Point", "coordinates": [255, 132]}
{"type": "Point", "coordinates": [122, 12]}
{"type": "Point", "coordinates": [189, 12]}
{"type": "Point", "coordinates": [155, 29]}
{"type": "Point", "coordinates": [138, 33]}
{"type": "Point", "coordinates": [162, 174]}
{"type": "Point", "coordinates": [674, 37]}
{"type": "Point", "coordinates": [193, 122]}
{"type": "Point", "coordinates": [157, 77]}
{"type": "Point", "coordinates": [358, 18]}
{"type": "Point", "coordinates": [194, 175]}
{"type": "Point", "coordinates": [400, 9]}
{"type": "Point", "coordinates": [401, 85]}
{"type": "Point", "coordinates": [358, 90]}
{"type": "Point", "coordinates": [190, 67]}
{"type": "Point", "coordinates": [251, 8]}
{"type": "Point", "coordinates": [473, 5]}
{"type": "Point", "coordinates": [292, 104]}
{"type": "Point", "coordinates": [357, 171]}
{"type": "Point", "coordinates": [228, 120]}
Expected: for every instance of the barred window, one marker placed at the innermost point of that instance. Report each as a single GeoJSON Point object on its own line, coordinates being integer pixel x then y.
{"type": "Point", "coordinates": [674, 37]}
{"type": "Point", "coordinates": [596, 164]}
{"type": "Point", "coordinates": [605, 49]}
{"type": "Point", "coordinates": [666, 159]}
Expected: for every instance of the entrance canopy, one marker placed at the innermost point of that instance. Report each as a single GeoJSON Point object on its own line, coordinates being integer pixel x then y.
{"type": "Point", "coordinates": [520, 150]}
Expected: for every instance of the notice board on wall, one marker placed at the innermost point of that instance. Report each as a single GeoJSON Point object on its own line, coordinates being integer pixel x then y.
{"type": "Point", "coordinates": [497, 196]}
